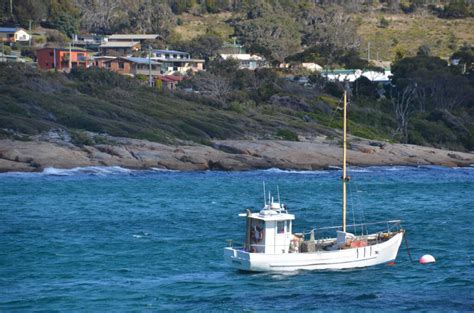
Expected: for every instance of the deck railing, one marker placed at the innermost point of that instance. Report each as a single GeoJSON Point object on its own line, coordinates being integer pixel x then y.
{"type": "Point", "coordinates": [363, 226]}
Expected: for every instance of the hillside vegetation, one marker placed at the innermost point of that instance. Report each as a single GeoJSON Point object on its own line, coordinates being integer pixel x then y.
{"type": "Point", "coordinates": [404, 33]}
{"type": "Point", "coordinates": [104, 102]}
{"type": "Point", "coordinates": [278, 29]}
{"type": "Point", "coordinates": [256, 104]}
{"type": "Point", "coordinates": [429, 102]}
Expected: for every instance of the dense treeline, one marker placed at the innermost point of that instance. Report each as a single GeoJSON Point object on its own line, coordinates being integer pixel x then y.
{"type": "Point", "coordinates": [281, 30]}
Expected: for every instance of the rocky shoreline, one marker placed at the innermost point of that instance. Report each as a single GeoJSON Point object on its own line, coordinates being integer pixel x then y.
{"type": "Point", "coordinates": [229, 155]}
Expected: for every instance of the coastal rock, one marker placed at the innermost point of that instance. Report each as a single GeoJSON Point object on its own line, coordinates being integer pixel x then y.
{"type": "Point", "coordinates": [226, 155]}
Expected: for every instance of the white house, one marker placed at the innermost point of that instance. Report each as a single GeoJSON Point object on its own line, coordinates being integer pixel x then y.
{"type": "Point", "coordinates": [176, 61]}
{"type": "Point", "coordinates": [14, 34]}
{"type": "Point", "coordinates": [246, 60]}
{"type": "Point", "coordinates": [351, 75]}
{"type": "Point", "coordinates": [313, 67]}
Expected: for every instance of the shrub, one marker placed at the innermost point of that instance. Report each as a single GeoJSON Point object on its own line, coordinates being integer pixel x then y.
{"type": "Point", "coordinates": [334, 89]}
{"type": "Point", "coordinates": [384, 23]}
{"type": "Point", "coordinates": [287, 134]}
{"type": "Point", "coordinates": [81, 138]}
{"type": "Point", "coordinates": [28, 52]}
{"type": "Point", "coordinates": [434, 132]}
{"type": "Point", "coordinates": [7, 50]}
{"type": "Point", "coordinates": [456, 9]}
{"type": "Point", "coordinates": [407, 7]}
{"type": "Point", "coordinates": [236, 107]}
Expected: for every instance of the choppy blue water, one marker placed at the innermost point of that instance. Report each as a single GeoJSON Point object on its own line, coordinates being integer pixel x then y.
{"type": "Point", "coordinates": [117, 240]}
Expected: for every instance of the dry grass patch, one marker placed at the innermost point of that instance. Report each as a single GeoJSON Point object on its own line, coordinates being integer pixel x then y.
{"type": "Point", "coordinates": [408, 32]}
{"type": "Point", "coordinates": [193, 26]}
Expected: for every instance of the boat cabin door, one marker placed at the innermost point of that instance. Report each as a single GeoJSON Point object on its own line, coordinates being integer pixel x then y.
{"type": "Point", "coordinates": [282, 234]}
{"type": "Point", "coordinates": [256, 235]}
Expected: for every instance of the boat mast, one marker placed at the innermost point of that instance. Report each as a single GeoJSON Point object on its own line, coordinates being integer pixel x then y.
{"type": "Point", "coordinates": [344, 159]}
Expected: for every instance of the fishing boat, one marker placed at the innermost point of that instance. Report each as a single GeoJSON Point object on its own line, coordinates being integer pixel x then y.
{"type": "Point", "coordinates": [271, 245]}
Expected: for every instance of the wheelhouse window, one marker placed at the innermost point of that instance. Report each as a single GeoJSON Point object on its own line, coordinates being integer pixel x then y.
{"type": "Point", "coordinates": [280, 227]}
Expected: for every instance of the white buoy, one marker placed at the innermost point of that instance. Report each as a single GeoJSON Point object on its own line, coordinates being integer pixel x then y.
{"type": "Point", "coordinates": [426, 259]}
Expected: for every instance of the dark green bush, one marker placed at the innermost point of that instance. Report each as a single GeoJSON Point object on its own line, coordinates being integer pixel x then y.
{"type": "Point", "coordinates": [287, 134]}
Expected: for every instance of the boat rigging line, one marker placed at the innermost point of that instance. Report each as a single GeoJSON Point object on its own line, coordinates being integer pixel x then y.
{"type": "Point", "coordinates": [406, 244]}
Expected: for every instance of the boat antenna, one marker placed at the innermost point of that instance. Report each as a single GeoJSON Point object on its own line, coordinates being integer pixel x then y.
{"type": "Point", "coordinates": [278, 190]}
{"type": "Point", "coordinates": [264, 197]}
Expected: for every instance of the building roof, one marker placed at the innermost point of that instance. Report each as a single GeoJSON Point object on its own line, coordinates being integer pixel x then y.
{"type": "Point", "coordinates": [105, 57]}
{"type": "Point", "coordinates": [133, 36]}
{"type": "Point", "coordinates": [64, 49]}
{"type": "Point", "coordinates": [134, 60]}
{"type": "Point", "coordinates": [171, 78]}
{"type": "Point", "coordinates": [118, 44]}
{"type": "Point", "coordinates": [9, 29]}
{"type": "Point", "coordinates": [242, 57]}
{"type": "Point", "coordinates": [352, 75]}
{"type": "Point", "coordinates": [142, 60]}
{"type": "Point", "coordinates": [169, 51]}
{"type": "Point", "coordinates": [170, 60]}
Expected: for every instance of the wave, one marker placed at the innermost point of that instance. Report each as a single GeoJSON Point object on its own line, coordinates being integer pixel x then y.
{"type": "Point", "coordinates": [88, 170]}
{"type": "Point", "coordinates": [280, 171]}
{"type": "Point", "coordinates": [359, 170]}
{"type": "Point", "coordinates": [394, 168]}
{"type": "Point", "coordinates": [117, 170]}
{"type": "Point", "coordinates": [165, 170]}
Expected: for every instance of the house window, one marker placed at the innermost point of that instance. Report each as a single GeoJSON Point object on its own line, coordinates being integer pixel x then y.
{"type": "Point", "coordinates": [121, 65]}
{"type": "Point", "coordinates": [51, 54]}
{"type": "Point", "coordinates": [281, 227]}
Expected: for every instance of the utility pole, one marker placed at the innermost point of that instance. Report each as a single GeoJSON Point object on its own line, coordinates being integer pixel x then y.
{"type": "Point", "coordinates": [29, 41]}
{"type": "Point", "coordinates": [11, 7]}
{"type": "Point", "coordinates": [70, 57]}
{"type": "Point", "coordinates": [150, 80]}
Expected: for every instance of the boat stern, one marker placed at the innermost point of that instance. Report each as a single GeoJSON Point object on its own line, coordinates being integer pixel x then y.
{"type": "Point", "coordinates": [237, 258]}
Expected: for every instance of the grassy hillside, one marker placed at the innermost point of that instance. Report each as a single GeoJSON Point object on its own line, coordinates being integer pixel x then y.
{"type": "Point", "coordinates": [404, 32]}
{"type": "Point", "coordinates": [104, 102]}
{"type": "Point", "coordinates": [192, 26]}
{"type": "Point", "coordinates": [407, 32]}
{"type": "Point", "coordinates": [100, 101]}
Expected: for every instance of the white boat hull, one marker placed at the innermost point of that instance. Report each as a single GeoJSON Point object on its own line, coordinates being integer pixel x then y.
{"type": "Point", "coordinates": [320, 260]}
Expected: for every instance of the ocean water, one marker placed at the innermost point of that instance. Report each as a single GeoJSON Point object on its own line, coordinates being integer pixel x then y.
{"type": "Point", "coordinates": [111, 239]}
